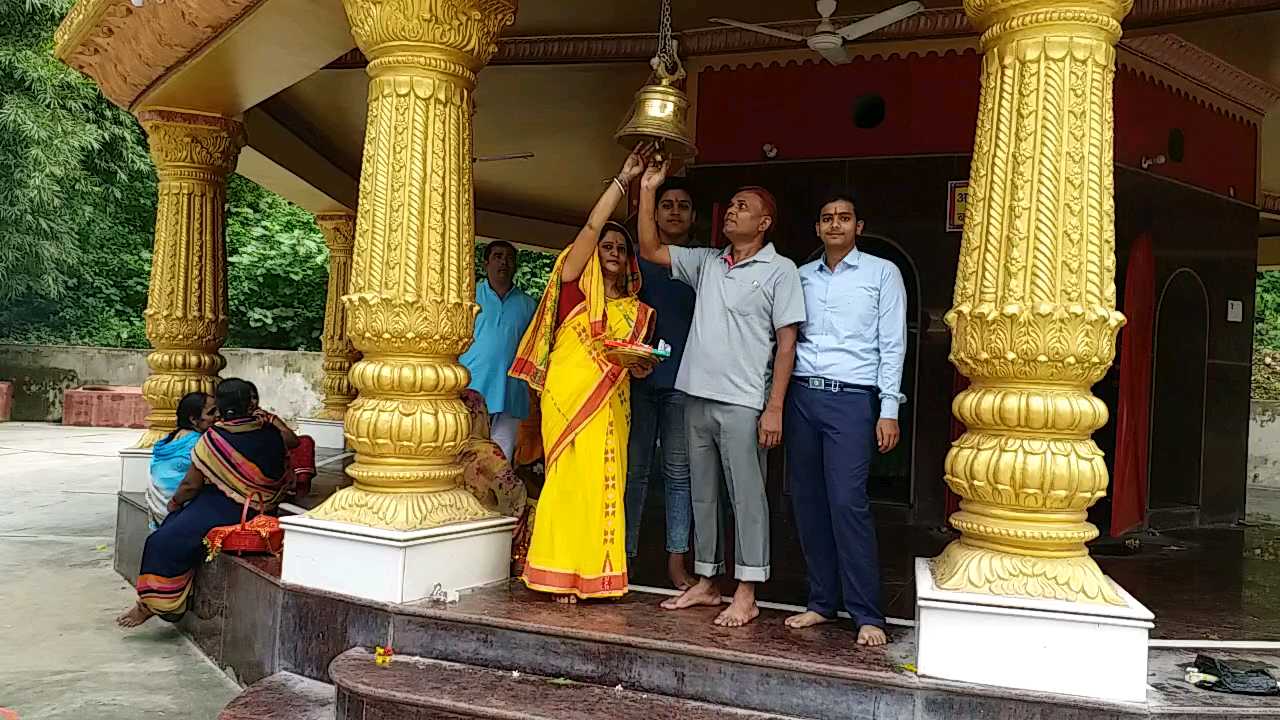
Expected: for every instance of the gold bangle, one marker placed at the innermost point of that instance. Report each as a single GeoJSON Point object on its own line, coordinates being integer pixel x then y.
{"type": "Point", "coordinates": [621, 187]}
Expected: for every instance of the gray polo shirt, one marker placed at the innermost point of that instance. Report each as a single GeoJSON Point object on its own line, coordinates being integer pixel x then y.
{"type": "Point", "coordinates": [729, 356]}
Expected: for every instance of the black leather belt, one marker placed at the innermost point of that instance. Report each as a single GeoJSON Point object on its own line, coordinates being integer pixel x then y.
{"type": "Point", "coordinates": [818, 383]}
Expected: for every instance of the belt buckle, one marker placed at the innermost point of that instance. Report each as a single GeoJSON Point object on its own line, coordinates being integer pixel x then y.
{"type": "Point", "coordinates": [815, 383]}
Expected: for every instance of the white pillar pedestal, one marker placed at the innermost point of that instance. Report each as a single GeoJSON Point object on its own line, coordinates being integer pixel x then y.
{"type": "Point", "coordinates": [1086, 649]}
{"type": "Point", "coordinates": [135, 469]}
{"type": "Point", "coordinates": [326, 433]}
{"type": "Point", "coordinates": [395, 566]}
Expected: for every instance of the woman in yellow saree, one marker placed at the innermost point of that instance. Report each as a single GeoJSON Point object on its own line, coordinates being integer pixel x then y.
{"type": "Point", "coordinates": [577, 549]}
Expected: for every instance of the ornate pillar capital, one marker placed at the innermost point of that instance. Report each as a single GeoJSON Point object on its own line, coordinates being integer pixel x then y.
{"type": "Point", "coordinates": [998, 18]}
{"type": "Point", "coordinates": [192, 141]}
{"type": "Point", "coordinates": [396, 32]}
{"type": "Point", "coordinates": [186, 315]}
{"type": "Point", "coordinates": [339, 354]}
{"type": "Point", "coordinates": [1034, 321]}
{"type": "Point", "coordinates": [339, 231]}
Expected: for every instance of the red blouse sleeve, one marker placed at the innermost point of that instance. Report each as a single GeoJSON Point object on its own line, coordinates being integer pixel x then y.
{"type": "Point", "coordinates": [570, 297]}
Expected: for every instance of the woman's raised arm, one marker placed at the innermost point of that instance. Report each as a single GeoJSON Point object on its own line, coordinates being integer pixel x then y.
{"type": "Point", "coordinates": [585, 243]}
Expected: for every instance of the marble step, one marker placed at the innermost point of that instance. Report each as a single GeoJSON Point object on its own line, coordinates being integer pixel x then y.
{"type": "Point", "coordinates": [415, 688]}
{"type": "Point", "coordinates": [283, 696]}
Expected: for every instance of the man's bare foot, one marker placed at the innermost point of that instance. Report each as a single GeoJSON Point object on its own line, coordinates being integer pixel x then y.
{"type": "Point", "coordinates": [134, 616]}
{"type": "Point", "coordinates": [680, 576]}
{"type": "Point", "coordinates": [567, 599]}
{"type": "Point", "coordinates": [806, 619]}
{"type": "Point", "coordinates": [871, 636]}
{"type": "Point", "coordinates": [704, 592]}
{"type": "Point", "coordinates": [742, 610]}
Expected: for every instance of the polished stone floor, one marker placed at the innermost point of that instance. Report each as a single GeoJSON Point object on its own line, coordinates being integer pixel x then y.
{"type": "Point", "coordinates": [829, 651]}
{"type": "Point", "coordinates": [1203, 584]}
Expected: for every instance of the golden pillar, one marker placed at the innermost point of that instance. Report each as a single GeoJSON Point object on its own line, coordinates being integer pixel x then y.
{"type": "Point", "coordinates": [1034, 322]}
{"type": "Point", "coordinates": [186, 315]}
{"type": "Point", "coordinates": [411, 304]}
{"type": "Point", "coordinates": [339, 353]}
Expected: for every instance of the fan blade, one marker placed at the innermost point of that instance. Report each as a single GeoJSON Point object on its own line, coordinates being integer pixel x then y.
{"type": "Point", "coordinates": [835, 55]}
{"type": "Point", "coordinates": [511, 156]}
{"type": "Point", "coordinates": [759, 29]}
{"type": "Point", "coordinates": [866, 26]}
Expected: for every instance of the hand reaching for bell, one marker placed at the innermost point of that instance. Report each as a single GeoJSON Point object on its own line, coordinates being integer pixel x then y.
{"type": "Point", "coordinates": [654, 175]}
{"type": "Point", "coordinates": [635, 162]}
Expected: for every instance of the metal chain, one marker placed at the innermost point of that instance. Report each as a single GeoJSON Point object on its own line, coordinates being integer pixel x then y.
{"type": "Point", "coordinates": [666, 46]}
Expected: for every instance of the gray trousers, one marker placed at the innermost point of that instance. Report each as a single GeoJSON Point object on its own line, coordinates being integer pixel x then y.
{"type": "Point", "coordinates": [725, 454]}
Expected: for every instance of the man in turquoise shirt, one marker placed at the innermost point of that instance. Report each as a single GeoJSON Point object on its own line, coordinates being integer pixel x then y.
{"type": "Point", "coordinates": [505, 312]}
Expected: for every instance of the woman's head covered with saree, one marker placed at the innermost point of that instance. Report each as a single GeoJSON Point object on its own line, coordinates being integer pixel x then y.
{"type": "Point", "coordinates": [242, 455]}
{"type": "Point", "coordinates": [613, 262]}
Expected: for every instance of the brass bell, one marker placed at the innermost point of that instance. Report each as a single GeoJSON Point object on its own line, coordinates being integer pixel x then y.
{"type": "Point", "coordinates": [659, 114]}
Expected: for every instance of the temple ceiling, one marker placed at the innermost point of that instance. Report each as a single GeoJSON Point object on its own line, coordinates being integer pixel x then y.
{"type": "Point", "coordinates": [563, 75]}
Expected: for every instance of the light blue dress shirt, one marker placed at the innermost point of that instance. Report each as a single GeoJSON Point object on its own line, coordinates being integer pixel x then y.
{"type": "Point", "coordinates": [856, 331]}
{"type": "Point", "coordinates": [499, 327]}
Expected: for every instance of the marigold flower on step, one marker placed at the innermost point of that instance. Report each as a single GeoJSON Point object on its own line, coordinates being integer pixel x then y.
{"type": "Point", "coordinates": [382, 655]}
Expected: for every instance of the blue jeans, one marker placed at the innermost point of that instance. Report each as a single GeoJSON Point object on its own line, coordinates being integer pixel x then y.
{"type": "Point", "coordinates": [658, 416]}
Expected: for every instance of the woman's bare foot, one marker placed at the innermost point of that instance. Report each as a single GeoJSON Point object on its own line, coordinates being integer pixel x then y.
{"type": "Point", "coordinates": [742, 610]}
{"type": "Point", "coordinates": [704, 592]}
{"type": "Point", "coordinates": [871, 636]}
{"type": "Point", "coordinates": [134, 616]}
{"type": "Point", "coordinates": [680, 577]}
{"type": "Point", "coordinates": [567, 599]}
{"type": "Point", "coordinates": [806, 619]}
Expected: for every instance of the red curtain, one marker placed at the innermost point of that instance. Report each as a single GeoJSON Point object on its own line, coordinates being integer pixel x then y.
{"type": "Point", "coordinates": [1129, 485]}
{"type": "Point", "coordinates": [958, 383]}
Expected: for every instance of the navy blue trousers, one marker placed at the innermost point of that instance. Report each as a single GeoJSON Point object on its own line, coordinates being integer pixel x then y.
{"type": "Point", "coordinates": [829, 440]}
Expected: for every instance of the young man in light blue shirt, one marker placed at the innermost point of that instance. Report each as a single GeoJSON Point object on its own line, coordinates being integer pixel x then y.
{"type": "Point", "coordinates": [505, 312]}
{"type": "Point", "coordinates": [843, 401]}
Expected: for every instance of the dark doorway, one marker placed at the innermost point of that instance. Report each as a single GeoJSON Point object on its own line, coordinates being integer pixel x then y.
{"type": "Point", "coordinates": [1178, 396]}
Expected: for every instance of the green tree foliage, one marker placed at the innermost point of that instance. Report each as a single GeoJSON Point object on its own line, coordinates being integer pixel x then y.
{"type": "Point", "coordinates": [77, 215]}
{"type": "Point", "coordinates": [1266, 337]}
{"type": "Point", "coordinates": [77, 194]}
{"type": "Point", "coordinates": [279, 269]}
{"type": "Point", "coordinates": [71, 164]}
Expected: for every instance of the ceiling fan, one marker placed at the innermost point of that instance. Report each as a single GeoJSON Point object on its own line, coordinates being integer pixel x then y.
{"type": "Point", "coordinates": [827, 40]}
{"type": "Point", "coordinates": [508, 156]}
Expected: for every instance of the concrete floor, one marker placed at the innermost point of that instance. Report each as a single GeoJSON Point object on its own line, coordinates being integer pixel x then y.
{"type": "Point", "coordinates": [61, 656]}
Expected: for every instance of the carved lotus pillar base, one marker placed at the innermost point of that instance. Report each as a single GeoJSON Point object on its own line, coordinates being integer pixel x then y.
{"type": "Point", "coordinates": [411, 301]}
{"type": "Point", "coordinates": [1035, 322]}
{"type": "Point", "coordinates": [186, 315]}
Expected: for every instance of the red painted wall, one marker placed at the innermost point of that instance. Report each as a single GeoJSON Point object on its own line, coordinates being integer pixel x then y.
{"type": "Point", "coordinates": [806, 110]}
{"type": "Point", "coordinates": [1221, 150]}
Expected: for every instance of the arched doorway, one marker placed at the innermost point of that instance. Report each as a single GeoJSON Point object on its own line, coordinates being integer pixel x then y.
{"type": "Point", "coordinates": [1178, 401]}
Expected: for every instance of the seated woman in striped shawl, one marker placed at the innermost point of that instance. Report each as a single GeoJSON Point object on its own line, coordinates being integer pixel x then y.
{"type": "Point", "coordinates": [240, 457]}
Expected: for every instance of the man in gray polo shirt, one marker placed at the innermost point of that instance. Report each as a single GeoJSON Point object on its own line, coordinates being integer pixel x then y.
{"type": "Point", "coordinates": [745, 322]}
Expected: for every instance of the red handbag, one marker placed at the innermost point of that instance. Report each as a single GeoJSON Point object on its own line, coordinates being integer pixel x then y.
{"type": "Point", "coordinates": [259, 536]}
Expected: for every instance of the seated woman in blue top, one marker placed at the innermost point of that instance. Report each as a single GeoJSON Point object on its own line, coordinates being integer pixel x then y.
{"type": "Point", "coordinates": [171, 456]}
